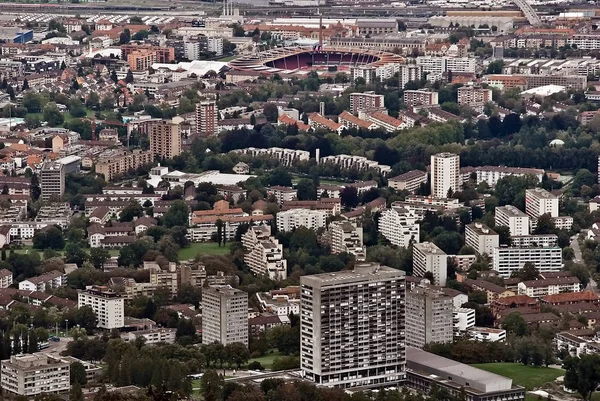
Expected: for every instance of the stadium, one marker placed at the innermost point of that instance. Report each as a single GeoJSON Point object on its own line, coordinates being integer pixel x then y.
{"type": "Point", "coordinates": [301, 60]}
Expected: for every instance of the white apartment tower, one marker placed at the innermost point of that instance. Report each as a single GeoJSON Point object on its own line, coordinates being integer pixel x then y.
{"type": "Point", "coordinates": [427, 257]}
{"type": "Point", "coordinates": [429, 317]}
{"type": "Point", "coordinates": [224, 315]}
{"type": "Point", "coordinates": [538, 201]}
{"type": "Point", "coordinates": [410, 72]}
{"type": "Point", "coordinates": [481, 238]}
{"type": "Point", "coordinates": [347, 237]}
{"type": "Point", "coordinates": [291, 219]}
{"type": "Point", "coordinates": [507, 260]}
{"type": "Point", "coordinates": [399, 225]}
{"type": "Point", "coordinates": [107, 305]}
{"type": "Point", "coordinates": [445, 174]}
{"type": "Point", "coordinates": [32, 374]}
{"type": "Point", "coordinates": [352, 327]}
{"type": "Point", "coordinates": [513, 218]}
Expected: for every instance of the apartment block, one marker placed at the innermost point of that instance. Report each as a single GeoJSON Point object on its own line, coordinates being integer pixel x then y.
{"type": "Point", "coordinates": [408, 73]}
{"type": "Point", "coordinates": [206, 118]}
{"type": "Point", "coordinates": [165, 139]}
{"type": "Point", "coordinates": [52, 180]}
{"type": "Point", "coordinates": [34, 374]}
{"type": "Point", "coordinates": [385, 122]}
{"type": "Point", "coordinates": [481, 238]}
{"type": "Point", "coordinates": [6, 278]}
{"type": "Point", "coordinates": [437, 66]}
{"type": "Point", "coordinates": [428, 258]}
{"type": "Point", "coordinates": [429, 317]}
{"type": "Point", "coordinates": [410, 181]}
{"type": "Point", "coordinates": [351, 121]}
{"type": "Point", "coordinates": [491, 174]}
{"type": "Point", "coordinates": [487, 334]}
{"type": "Point", "coordinates": [507, 260]}
{"type": "Point", "coordinates": [224, 315]}
{"type": "Point", "coordinates": [550, 286]}
{"type": "Point", "coordinates": [513, 218]}
{"type": "Point", "coordinates": [445, 174]}
{"type": "Point", "coordinates": [47, 281]}
{"type": "Point", "coordinates": [291, 219]}
{"type": "Point", "coordinates": [347, 339]}
{"type": "Point", "coordinates": [534, 240]}
{"type": "Point", "coordinates": [115, 164]}
{"type": "Point", "coordinates": [281, 194]}
{"type": "Point", "coordinates": [141, 60]}
{"type": "Point", "coordinates": [463, 319]}
{"type": "Point", "coordinates": [365, 101]}
{"type": "Point", "coordinates": [264, 253]}
{"type": "Point", "coordinates": [400, 226]}
{"type": "Point", "coordinates": [107, 305]}
{"type": "Point", "coordinates": [153, 336]}
{"type": "Point", "coordinates": [347, 237]}
{"type": "Point", "coordinates": [538, 201]}
{"type": "Point", "coordinates": [474, 97]}
{"type": "Point", "coordinates": [420, 97]}
{"type": "Point", "coordinates": [287, 157]}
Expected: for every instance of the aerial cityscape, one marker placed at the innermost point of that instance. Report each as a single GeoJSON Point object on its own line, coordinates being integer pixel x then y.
{"type": "Point", "coordinates": [299, 200]}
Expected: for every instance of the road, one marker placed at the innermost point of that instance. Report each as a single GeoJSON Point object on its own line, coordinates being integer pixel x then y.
{"type": "Point", "coordinates": [56, 348]}
{"type": "Point", "coordinates": [592, 285]}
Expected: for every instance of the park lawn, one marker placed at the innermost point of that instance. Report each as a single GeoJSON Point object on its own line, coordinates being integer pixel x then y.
{"type": "Point", "coordinates": [202, 248]}
{"type": "Point", "coordinates": [224, 59]}
{"type": "Point", "coordinates": [267, 359]}
{"type": "Point", "coordinates": [529, 377]}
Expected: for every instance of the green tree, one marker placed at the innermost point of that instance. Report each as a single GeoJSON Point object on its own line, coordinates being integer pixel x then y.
{"type": "Point", "coordinates": [349, 197]}
{"type": "Point", "coordinates": [177, 215]}
{"type": "Point", "coordinates": [583, 374]}
{"type": "Point", "coordinates": [78, 374]}
{"type": "Point", "coordinates": [211, 385]}
{"type": "Point", "coordinates": [52, 115]}
{"type": "Point", "coordinates": [306, 190]}
{"type": "Point", "coordinates": [76, 394]}
{"type": "Point", "coordinates": [515, 324]}
{"type": "Point", "coordinates": [133, 210]}
{"type": "Point", "coordinates": [98, 256]}
{"type": "Point", "coordinates": [74, 253]}
{"type": "Point", "coordinates": [545, 225]}
{"type": "Point", "coordinates": [50, 237]}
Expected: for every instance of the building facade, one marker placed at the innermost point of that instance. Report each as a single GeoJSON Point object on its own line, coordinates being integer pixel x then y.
{"type": "Point", "coordinates": [513, 218]}
{"type": "Point", "coordinates": [428, 258]}
{"type": "Point", "coordinates": [399, 226]}
{"type": "Point", "coordinates": [165, 139]}
{"type": "Point", "coordinates": [30, 375]}
{"type": "Point", "coordinates": [224, 315]}
{"type": "Point", "coordinates": [52, 180]}
{"type": "Point", "coordinates": [347, 339]}
{"type": "Point", "coordinates": [507, 260]}
{"type": "Point", "coordinates": [481, 238]}
{"type": "Point", "coordinates": [206, 118]}
{"type": "Point", "coordinates": [108, 306]}
{"type": "Point", "coordinates": [291, 219]}
{"type": "Point", "coordinates": [428, 317]}
{"type": "Point", "coordinates": [445, 174]}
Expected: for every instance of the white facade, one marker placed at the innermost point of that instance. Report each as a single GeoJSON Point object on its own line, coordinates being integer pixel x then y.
{"type": "Point", "coordinates": [463, 319]}
{"type": "Point", "coordinates": [551, 286]}
{"type": "Point", "coordinates": [108, 306]}
{"type": "Point", "coordinates": [410, 72]}
{"type": "Point", "coordinates": [427, 257]}
{"type": "Point", "coordinates": [6, 278]}
{"type": "Point", "coordinates": [264, 254]}
{"type": "Point", "coordinates": [445, 174]}
{"type": "Point", "coordinates": [508, 260]}
{"type": "Point", "coordinates": [487, 334]}
{"type": "Point", "coordinates": [153, 336]}
{"type": "Point", "coordinates": [347, 237]}
{"type": "Point", "coordinates": [291, 219]}
{"type": "Point", "coordinates": [538, 201]}
{"type": "Point", "coordinates": [513, 218]}
{"type": "Point", "coordinates": [224, 315]}
{"type": "Point", "coordinates": [436, 66]}
{"type": "Point", "coordinates": [399, 226]}
{"type": "Point", "coordinates": [481, 238]}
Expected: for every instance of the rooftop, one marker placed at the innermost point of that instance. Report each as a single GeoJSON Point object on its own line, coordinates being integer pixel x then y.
{"type": "Point", "coordinates": [362, 272]}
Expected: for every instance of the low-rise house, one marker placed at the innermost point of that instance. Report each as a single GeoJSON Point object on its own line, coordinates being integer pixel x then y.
{"type": "Point", "coordinates": [551, 286]}
{"type": "Point", "coordinates": [50, 280]}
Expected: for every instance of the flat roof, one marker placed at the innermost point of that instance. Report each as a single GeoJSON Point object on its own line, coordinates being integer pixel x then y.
{"type": "Point", "coordinates": [362, 272]}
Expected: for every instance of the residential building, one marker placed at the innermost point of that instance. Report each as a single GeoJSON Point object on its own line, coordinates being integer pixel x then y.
{"type": "Point", "coordinates": [428, 258]}
{"type": "Point", "coordinates": [264, 253]}
{"type": "Point", "coordinates": [481, 238]}
{"type": "Point", "coordinates": [346, 341]}
{"type": "Point", "coordinates": [420, 97]}
{"type": "Point", "coordinates": [347, 237]}
{"type": "Point", "coordinates": [568, 298]}
{"type": "Point", "coordinates": [491, 174]}
{"type": "Point", "coordinates": [206, 118]}
{"type": "Point", "coordinates": [427, 372]}
{"type": "Point", "coordinates": [429, 317]}
{"type": "Point", "coordinates": [35, 374]}
{"type": "Point", "coordinates": [359, 163]}
{"type": "Point", "coordinates": [165, 139]}
{"type": "Point", "coordinates": [317, 121]}
{"type": "Point", "coordinates": [409, 73]}
{"type": "Point", "coordinates": [6, 278]}
{"type": "Point", "coordinates": [107, 305]}
{"type": "Point", "coordinates": [280, 302]}
{"type": "Point", "coordinates": [281, 194]}
{"type": "Point", "coordinates": [52, 180]}
{"type": "Point", "coordinates": [224, 315]}
{"type": "Point", "coordinates": [287, 157]}
{"type": "Point", "coordinates": [153, 336]}
{"type": "Point", "coordinates": [507, 260]}
{"type": "Point", "coordinates": [365, 101]}
{"type": "Point", "coordinates": [474, 97]}
{"type": "Point", "coordinates": [513, 218]}
{"type": "Point", "coordinates": [445, 175]}
{"type": "Point", "coordinates": [538, 201]}
{"type": "Point", "coordinates": [550, 286]}
{"type": "Point", "coordinates": [524, 241]}
{"type": "Point", "coordinates": [487, 334]}
{"type": "Point", "coordinates": [410, 181]}
{"type": "Point", "coordinates": [117, 163]}
{"type": "Point", "coordinates": [47, 281]}
{"type": "Point", "coordinates": [463, 319]}
{"type": "Point", "coordinates": [291, 219]}
{"type": "Point", "coordinates": [351, 121]}
{"type": "Point", "coordinates": [399, 225]}
{"type": "Point", "coordinates": [385, 122]}
{"type": "Point", "coordinates": [493, 291]}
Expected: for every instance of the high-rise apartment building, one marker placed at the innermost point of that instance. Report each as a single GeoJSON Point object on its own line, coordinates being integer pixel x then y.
{"type": "Point", "coordinates": [165, 139]}
{"type": "Point", "coordinates": [52, 180]}
{"type": "Point", "coordinates": [108, 306]}
{"type": "Point", "coordinates": [428, 258]}
{"type": "Point", "coordinates": [513, 218]}
{"type": "Point", "coordinates": [507, 260]}
{"type": "Point", "coordinates": [399, 225]}
{"type": "Point", "coordinates": [538, 201]}
{"type": "Point", "coordinates": [422, 97]}
{"type": "Point", "coordinates": [224, 315]}
{"type": "Point", "coordinates": [481, 238]}
{"type": "Point", "coordinates": [429, 315]}
{"type": "Point", "coordinates": [291, 219]}
{"type": "Point", "coordinates": [365, 101]}
{"type": "Point", "coordinates": [352, 327]}
{"type": "Point", "coordinates": [347, 236]}
{"type": "Point", "coordinates": [206, 118]}
{"type": "Point", "coordinates": [33, 374]}
{"type": "Point", "coordinates": [408, 73]}
{"type": "Point", "coordinates": [445, 174]}
{"type": "Point", "coordinates": [474, 97]}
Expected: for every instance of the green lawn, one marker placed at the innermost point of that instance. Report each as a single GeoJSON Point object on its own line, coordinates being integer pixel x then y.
{"type": "Point", "coordinates": [27, 249]}
{"type": "Point", "coordinates": [202, 248]}
{"type": "Point", "coordinates": [267, 359]}
{"type": "Point", "coordinates": [225, 59]}
{"type": "Point", "coordinates": [529, 377]}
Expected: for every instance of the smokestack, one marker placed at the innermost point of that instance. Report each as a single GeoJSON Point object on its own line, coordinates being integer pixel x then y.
{"type": "Point", "coordinates": [322, 108]}
{"type": "Point", "coordinates": [317, 155]}
{"type": "Point", "coordinates": [320, 30]}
